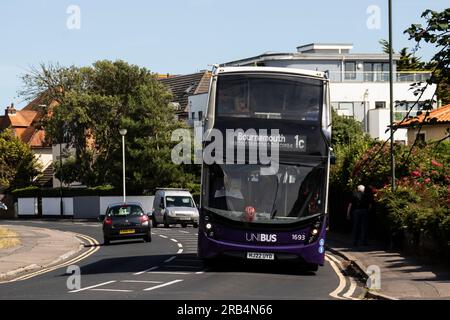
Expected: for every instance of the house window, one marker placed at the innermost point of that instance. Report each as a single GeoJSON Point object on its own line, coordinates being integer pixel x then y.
{"type": "Point", "coordinates": [193, 115]}
{"type": "Point", "coordinates": [350, 70]}
{"type": "Point", "coordinates": [344, 108]}
{"type": "Point", "coordinates": [420, 137]}
{"type": "Point", "coordinates": [377, 71]}
{"type": "Point", "coordinates": [200, 115]}
{"type": "Point", "coordinates": [380, 104]}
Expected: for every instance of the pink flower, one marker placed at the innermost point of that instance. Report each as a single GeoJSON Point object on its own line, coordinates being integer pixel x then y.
{"type": "Point", "coordinates": [415, 173]}
{"type": "Point", "coordinates": [436, 164]}
{"type": "Point", "coordinates": [434, 172]}
{"type": "Point", "coordinates": [427, 180]}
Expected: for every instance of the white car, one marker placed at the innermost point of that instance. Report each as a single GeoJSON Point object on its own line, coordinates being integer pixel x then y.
{"type": "Point", "coordinates": [3, 206]}
{"type": "Point", "coordinates": [174, 206]}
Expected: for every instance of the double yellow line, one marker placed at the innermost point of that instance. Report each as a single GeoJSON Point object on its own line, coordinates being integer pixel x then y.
{"type": "Point", "coordinates": [93, 244]}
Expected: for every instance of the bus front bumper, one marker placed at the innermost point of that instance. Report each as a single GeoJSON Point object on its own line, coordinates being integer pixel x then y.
{"type": "Point", "coordinates": [313, 253]}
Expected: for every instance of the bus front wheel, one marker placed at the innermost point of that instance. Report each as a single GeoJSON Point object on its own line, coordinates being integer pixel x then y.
{"type": "Point", "coordinates": [310, 267]}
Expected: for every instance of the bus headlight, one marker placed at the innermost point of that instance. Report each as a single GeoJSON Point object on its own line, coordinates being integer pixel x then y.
{"type": "Point", "coordinates": [208, 226]}
{"type": "Point", "coordinates": [316, 227]}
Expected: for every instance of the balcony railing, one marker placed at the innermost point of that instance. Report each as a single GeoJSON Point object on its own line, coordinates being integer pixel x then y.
{"type": "Point", "coordinates": [382, 76]}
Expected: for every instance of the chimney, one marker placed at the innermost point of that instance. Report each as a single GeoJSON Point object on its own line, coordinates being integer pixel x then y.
{"type": "Point", "coordinates": [10, 110]}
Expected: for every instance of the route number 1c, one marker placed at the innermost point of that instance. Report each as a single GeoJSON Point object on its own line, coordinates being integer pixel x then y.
{"type": "Point", "coordinates": [299, 142]}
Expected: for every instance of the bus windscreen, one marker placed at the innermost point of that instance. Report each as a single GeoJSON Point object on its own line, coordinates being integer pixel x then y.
{"type": "Point", "coordinates": [274, 97]}
{"type": "Point", "coordinates": [292, 194]}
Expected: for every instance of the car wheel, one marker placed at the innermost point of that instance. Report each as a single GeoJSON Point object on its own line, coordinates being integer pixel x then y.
{"type": "Point", "coordinates": [166, 223]}
{"type": "Point", "coordinates": [148, 238]}
{"type": "Point", "coordinates": [154, 222]}
{"type": "Point", "coordinates": [106, 241]}
{"type": "Point", "coordinates": [195, 225]}
{"type": "Point", "coordinates": [184, 225]}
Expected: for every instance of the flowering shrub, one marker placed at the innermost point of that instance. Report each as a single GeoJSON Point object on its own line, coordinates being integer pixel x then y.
{"type": "Point", "coordinates": [422, 199]}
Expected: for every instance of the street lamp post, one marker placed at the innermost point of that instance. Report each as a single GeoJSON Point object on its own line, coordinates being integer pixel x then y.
{"type": "Point", "coordinates": [61, 202]}
{"type": "Point", "coordinates": [123, 132]}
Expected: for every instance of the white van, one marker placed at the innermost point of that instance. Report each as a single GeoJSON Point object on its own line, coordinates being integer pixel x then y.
{"type": "Point", "coordinates": [174, 206]}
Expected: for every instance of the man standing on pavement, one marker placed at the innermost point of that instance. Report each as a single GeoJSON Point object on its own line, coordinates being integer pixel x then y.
{"type": "Point", "coordinates": [358, 212]}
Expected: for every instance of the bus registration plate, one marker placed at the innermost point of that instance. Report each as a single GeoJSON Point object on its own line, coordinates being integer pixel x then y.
{"type": "Point", "coordinates": [260, 256]}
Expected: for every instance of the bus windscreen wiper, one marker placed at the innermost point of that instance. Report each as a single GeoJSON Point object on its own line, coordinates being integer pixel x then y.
{"type": "Point", "coordinates": [274, 210]}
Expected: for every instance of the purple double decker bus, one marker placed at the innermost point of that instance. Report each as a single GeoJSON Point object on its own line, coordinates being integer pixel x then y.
{"type": "Point", "coordinates": [274, 214]}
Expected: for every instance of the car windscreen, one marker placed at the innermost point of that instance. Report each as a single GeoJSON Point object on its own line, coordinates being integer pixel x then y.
{"type": "Point", "coordinates": [179, 201]}
{"type": "Point", "coordinates": [269, 97]}
{"type": "Point", "coordinates": [126, 210]}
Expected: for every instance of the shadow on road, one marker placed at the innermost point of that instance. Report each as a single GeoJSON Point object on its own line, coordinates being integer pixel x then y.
{"type": "Point", "coordinates": [188, 263]}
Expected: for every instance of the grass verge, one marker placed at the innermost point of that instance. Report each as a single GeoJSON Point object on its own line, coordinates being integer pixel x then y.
{"type": "Point", "coordinates": [8, 238]}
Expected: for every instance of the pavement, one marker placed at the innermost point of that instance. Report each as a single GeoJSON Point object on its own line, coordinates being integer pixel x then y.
{"type": "Point", "coordinates": [401, 277]}
{"type": "Point", "coordinates": [40, 248]}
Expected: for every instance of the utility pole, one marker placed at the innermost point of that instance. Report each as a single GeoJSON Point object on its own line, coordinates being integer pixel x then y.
{"type": "Point", "coordinates": [391, 93]}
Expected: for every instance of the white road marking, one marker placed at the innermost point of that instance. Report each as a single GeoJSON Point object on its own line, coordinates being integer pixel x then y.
{"type": "Point", "coordinates": [94, 286]}
{"type": "Point", "coordinates": [150, 269]}
{"type": "Point", "coordinates": [180, 251]}
{"type": "Point", "coordinates": [170, 259]}
{"type": "Point", "coordinates": [342, 281]}
{"type": "Point", "coordinates": [169, 272]}
{"type": "Point", "coordinates": [163, 285]}
{"type": "Point", "coordinates": [200, 272]}
{"type": "Point", "coordinates": [174, 240]}
{"type": "Point", "coordinates": [140, 281]}
{"type": "Point", "coordinates": [180, 245]}
{"type": "Point", "coordinates": [181, 266]}
{"type": "Point", "coordinates": [112, 290]}
{"type": "Point", "coordinates": [182, 231]}
{"type": "Point", "coordinates": [163, 236]}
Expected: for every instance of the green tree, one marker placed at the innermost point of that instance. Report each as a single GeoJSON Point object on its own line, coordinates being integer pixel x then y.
{"type": "Point", "coordinates": [93, 104]}
{"type": "Point", "coordinates": [407, 61]}
{"type": "Point", "coordinates": [436, 32]}
{"type": "Point", "coordinates": [18, 165]}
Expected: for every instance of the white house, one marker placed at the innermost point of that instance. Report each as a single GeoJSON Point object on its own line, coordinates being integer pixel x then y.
{"type": "Point", "coordinates": [359, 82]}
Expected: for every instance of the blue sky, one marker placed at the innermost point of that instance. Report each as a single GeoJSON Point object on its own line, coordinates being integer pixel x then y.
{"type": "Point", "coordinates": [183, 36]}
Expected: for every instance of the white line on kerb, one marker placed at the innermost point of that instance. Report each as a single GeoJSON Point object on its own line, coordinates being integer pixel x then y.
{"type": "Point", "coordinates": [351, 290]}
{"type": "Point", "coordinates": [162, 285]}
{"type": "Point", "coordinates": [342, 281]}
{"type": "Point", "coordinates": [91, 287]}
